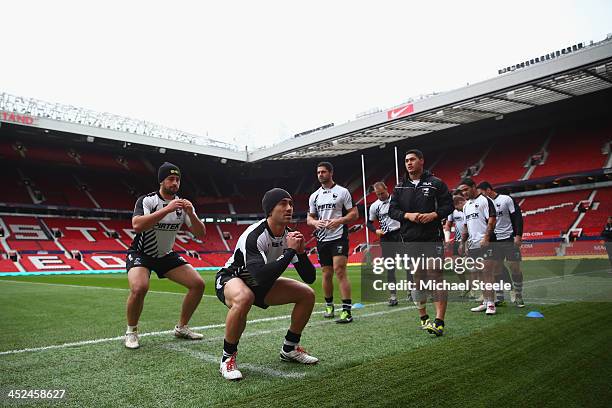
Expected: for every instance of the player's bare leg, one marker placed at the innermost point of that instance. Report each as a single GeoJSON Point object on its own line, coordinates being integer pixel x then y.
{"type": "Point", "coordinates": [188, 277]}
{"type": "Point", "coordinates": [345, 288]}
{"type": "Point", "coordinates": [138, 279]}
{"type": "Point", "coordinates": [287, 291]}
{"type": "Point", "coordinates": [328, 290]}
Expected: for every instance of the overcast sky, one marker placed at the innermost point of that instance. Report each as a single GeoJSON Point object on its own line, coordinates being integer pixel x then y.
{"type": "Point", "coordinates": [256, 72]}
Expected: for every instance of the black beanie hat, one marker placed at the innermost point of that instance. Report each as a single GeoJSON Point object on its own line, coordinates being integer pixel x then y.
{"type": "Point", "coordinates": [273, 197]}
{"type": "Point", "coordinates": [167, 169]}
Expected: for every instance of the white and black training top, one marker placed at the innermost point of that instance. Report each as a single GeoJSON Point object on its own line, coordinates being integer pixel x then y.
{"type": "Point", "coordinates": [327, 204]}
{"type": "Point", "coordinates": [379, 210]}
{"type": "Point", "coordinates": [158, 241]}
{"type": "Point", "coordinates": [458, 219]}
{"type": "Point", "coordinates": [260, 257]}
{"type": "Point", "coordinates": [477, 213]}
{"type": "Point", "coordinates": [504, 206]}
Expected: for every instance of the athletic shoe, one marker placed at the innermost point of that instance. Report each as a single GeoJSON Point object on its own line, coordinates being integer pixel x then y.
{"type": "Point", "coordinates": [480, 308]}
{"type": "Point", "coordinates": [519, 301]}
{"type": "Point", "coordinates": [186, 333]}
{"type": "Point", "coordinates": [490, 308]}
{"type": "Point", "coordinates": [298, 355]}
{"type": "Point", "coordinates": [229, 369]}
{"type": "Point", "coordinates": [345, 317]}
{"type": "Point", "coordinates": [435, 328]}
{"type": "Point", "coordinates": [424, 324]}
{"type": "Point", "coordinates": [393, 302]}
{"type": "Point", "coordinates": [131, 340]}
{"type": "Point", "coordinates": [329, 312]}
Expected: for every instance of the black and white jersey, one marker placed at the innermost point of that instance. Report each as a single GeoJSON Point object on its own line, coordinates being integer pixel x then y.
{"type": "Point", "coordinates": [257, 246]}
{"type": "Point", "coordinates": [158, 241]}
{"type": "Point", "coordinates": [327, 204]}
{"type": "Point", "coordinates": [458, 219]}
{"type": "Point", "coordinates": [379, 210]}
{"type": "Point", "coordinates": [477, 213]}
{"type": "Point", "coordinates": [504, 207]}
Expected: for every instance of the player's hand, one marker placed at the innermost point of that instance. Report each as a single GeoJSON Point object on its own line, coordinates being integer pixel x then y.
{"type": "Point", "coordinates": [484, 242]}
{"type": "Point", "coordinates": [380, 232]}
{"type": "Point", "coordinates": [413, 217]}
{"type": "Point", "coordinates": [300, 236]}
{"type": "Point", "coordinates": [294, 242]}
{"type": "Point", "coordinates": [518, 241]}
{"type": "Point", "coordinates": [427, 218]}
{"type": "Point", "coordinates": [188, 207]}
{"type": "Point", "coordinates": [334, 224]}
{"type": "Point", "coordinates": [321, 224]}
{"type": "Point", "coordinates": [174, 205]}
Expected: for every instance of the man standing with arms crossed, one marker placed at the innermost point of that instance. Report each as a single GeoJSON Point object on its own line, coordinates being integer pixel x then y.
{"type": "Point", "coordinates": [421, 202]}
{"type": "Point", "coordinates": [330, 210]}
{"type": "Point", "coordinates": [158, 216]}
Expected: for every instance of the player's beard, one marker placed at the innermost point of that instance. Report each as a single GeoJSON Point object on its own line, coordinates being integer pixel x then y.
{"type": "Point", "coordinates": [170, 191]}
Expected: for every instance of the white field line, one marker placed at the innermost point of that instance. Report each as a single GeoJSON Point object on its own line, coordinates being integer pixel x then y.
{"type": "Point", "coordinates": [157, 333]}
{"type": "Point", "coordinates": [183, 347]}
{"type": "Point", "coordinates": [95, 287]}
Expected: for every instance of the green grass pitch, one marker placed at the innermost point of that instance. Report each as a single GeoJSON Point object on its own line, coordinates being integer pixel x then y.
{"type": "Point", "coordinates": [382, 359]}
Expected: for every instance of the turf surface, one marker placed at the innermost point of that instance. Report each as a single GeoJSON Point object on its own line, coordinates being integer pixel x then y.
{"type": "Point", "coordinates": [382, 359]}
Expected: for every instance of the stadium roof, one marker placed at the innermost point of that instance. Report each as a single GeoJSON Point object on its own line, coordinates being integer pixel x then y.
{"type": "Point", "coordinates": [575, 73]}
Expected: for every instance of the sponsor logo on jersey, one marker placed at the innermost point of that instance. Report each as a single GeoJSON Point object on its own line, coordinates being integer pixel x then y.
{"type": "Point", "coordinates": [167, 227]}
{"type": "Point", "coordinates": [471, 216]}
{"type": "Point", "coordinates": [329, 206]}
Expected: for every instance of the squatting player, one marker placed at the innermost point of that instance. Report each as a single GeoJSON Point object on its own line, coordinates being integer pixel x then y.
{"type": "Point", "coordinates": [330, 210]}
{"type": "Point", "coordinates": [158, 216]}
{"type": "Point", "coordinates": [252, 276]}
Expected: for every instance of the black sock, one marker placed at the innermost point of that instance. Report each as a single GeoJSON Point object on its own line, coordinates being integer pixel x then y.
{"type": "Point", "coordinates": [329, 301]}
{"type": "Point", "coordinates": [228, 349]}
{"type": "Point", "coordinates": [439, 322]}
{"type": "Point", "coordinates": [347, 304]}
{"type": "Point", "coordinates": [291, 340]}
{"type": "Point", "coordinates": [423, 318]}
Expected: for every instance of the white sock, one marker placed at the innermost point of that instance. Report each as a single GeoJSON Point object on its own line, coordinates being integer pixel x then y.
{"type": "Point", "coordinates": [132, 329]}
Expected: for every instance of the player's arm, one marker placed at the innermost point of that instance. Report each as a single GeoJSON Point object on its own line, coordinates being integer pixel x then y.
{"type": "Point", "coordinates": [144, 219]}
{"type": "Point", "coordinates": [302, 263]}
{"type": "Point", "coordinates": [444, 202]}
{"type": "Point", "coordinates": [490, 223]}
{"type": "Point", "coordinates": [516, 217]}
{"type": "Point", "coordinates": [265, 274]}
{"type": "Point", "coordinates": [396, 213]}
{"type": "Point", "coordinates": [312, 219]}
{"type": "Point", "coordinates": [448, 225]}
{"type": "Point", "coordinates": [196, 226]}
{"type": "Point", "coordinates": [351, 215]}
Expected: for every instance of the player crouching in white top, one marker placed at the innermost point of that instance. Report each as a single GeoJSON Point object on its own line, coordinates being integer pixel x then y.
{"type": "Point", "coordinates": [252, 276]}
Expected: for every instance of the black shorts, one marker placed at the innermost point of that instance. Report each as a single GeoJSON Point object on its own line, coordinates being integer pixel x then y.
{"type": "Point", "coordinates": [225, 275]}
{"type": "Point", "coordinates": [506, 250]}
{"type": "Point", "coordinates": [486, 253]}
{"type": "Point", "coordinates": [160, 265]}
{"type": "Point", "coordinates": [327, 250]}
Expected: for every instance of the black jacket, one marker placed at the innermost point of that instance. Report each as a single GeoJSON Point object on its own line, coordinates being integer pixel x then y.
{"type": "Point", "coordinates": [431, 194]}
{"type": "Point", "coordinates": [607, 233]}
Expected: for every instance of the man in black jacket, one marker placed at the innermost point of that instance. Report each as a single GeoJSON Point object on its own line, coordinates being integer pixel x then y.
{"type": "Point", "coordinates": [420, 203]}
{"type": "Point", "coordinates": [607, 235]}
